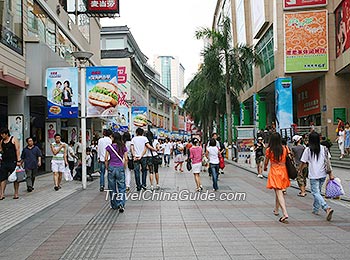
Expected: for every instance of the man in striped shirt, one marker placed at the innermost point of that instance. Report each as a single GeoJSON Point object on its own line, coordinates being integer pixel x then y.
{"type": "Point", "coordinates": [59, 160]}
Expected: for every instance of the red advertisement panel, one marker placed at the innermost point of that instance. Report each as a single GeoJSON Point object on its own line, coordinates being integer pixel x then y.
{"type": "Point", "coordinates": [103, 6]}
{"type": "Point", "coordinates": [342, 25]}
{"type": "Point", "coordinates": [308, 99]}
{"type": "Point", "coordinates": [293, 4]}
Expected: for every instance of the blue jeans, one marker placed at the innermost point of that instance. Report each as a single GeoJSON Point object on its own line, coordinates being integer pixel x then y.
{"type": "Point", "coordinates": [116, 178]}
{"type": "Point", "coordinates": [143, 164]}
{"type": "Point", "coordinates": [102, 174]}
{"type": "Point", "coordinates": [214, 174]}
{"type": "Point", "coordinates": [166, 159]}
{"type": "Point", "coordinates": [316, 186]}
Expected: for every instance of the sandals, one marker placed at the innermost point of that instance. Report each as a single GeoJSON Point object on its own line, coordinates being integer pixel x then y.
{"type": "Point", "coordinates": [284, 219]}
{"type": "Point", "coordinates": [16, 198]}
{"type": "Point", "coordinates": [275, 213]}
{"type": "Point", "coordinates": [2, 198]}
{"type": "Point", "coordinates": [301, 195]}
{"type": "Point", "coordinates": [329, 214]}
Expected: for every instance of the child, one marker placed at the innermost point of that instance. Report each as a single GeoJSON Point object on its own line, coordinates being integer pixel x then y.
{"type": "Point", "coordinates": [78, 175]}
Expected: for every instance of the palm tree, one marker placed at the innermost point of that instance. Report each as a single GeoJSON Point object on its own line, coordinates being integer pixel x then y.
{"type": "Point", "coordinates": [235, 64]}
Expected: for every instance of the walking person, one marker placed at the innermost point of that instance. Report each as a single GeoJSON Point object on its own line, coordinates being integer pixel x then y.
{"type": "Point", "coordinates": [277, 179]}
{"type": "Point", "coordinates": [347, 138]}
{"type": "Point", "coordinates": [340, 139]}
{"type": "Point", "coordinates": [79, 149]}
{"type": "Point", "coordinates": [31, 158]}
{"type": "Point", "coordinates": [297, 151]}
{"type": "Point", "coordinates": [179, 158]}
{"type": "Point", "coordinates": [59, 160]}
{"type": "Point", "coordinates": [101, 155]}
{"type": "Point", "coordinates": [153, 166]}
{"type": "Point", "coordinates": [139, 146]}
{"type": "Point", "coordinates": [316, 155]}
{"type": "Point", "coordinates": [71, 157]}
{"type": "Point", "coordinates": [196, 155]}
{"type": "Point", "coordinates": [167, 151]}
{"type": "Point", "coordinates": [259, 156]}
{"type": "Point", "coordinates": [10, 150]}
{"type": "Point", "coordinates": [116, 160]}
{"type": "Point", "coordinates": [212, 154]}
{"type": "Point", "coordinates": [127, 142]}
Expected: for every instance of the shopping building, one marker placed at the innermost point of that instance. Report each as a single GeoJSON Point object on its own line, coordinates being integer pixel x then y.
{"type": "Point", "coordinates": [304, 46]}
{"type": "Point", "coordinates": [36, 35]}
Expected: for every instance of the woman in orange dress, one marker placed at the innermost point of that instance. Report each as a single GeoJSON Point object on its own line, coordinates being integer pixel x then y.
{"type": "Point", "coordinates": [277, 178]}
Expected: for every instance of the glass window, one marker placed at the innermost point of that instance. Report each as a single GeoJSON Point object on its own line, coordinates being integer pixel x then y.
{"type": "Point", "coordinates": [11, 28]}
{"type": "Point", "coordinates": [114, 44]}
{"type": "Point", "coordinates": [265, 49]}
{"type": "Point", "coordinates": [160, 105]}
{"type": "Point", "coordinates": [65, 47]}
{"type": "Point", "coordinates": [153, 102]}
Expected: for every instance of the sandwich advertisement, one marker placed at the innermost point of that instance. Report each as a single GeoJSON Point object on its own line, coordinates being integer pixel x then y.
{"type": "Point", "coordinates": [62, 92]}
{"type": "Point", "coordinates": [139, 117]}
{"type": "Point", "coordinates": [102, 92]}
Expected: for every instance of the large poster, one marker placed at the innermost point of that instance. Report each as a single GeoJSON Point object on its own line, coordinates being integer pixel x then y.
{"type": "Point", "coordinates": [15, 123]}
{"type": "Point", "coordinates": [306, 41]}
{"type": "Point", "coordinates": [284, 102]}
{"type": "Point", "coordinates": [308, 99]}
{"type": "Point", "coordinates": [62, 92]}
{"type": "Point", "coordinates": [139, 117]}
{"type": "Point", "coordinates": [342, 25]}
{"type": "Point", "coordinates": [50, 130]}
{"type": "Point", "coordinates": [294, 4]}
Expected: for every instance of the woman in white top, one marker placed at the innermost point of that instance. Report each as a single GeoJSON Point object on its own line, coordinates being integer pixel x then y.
{"type": "Point", "coordinates": [315, 156]}
{"type": "Point", "coordinates": [341, 139]}
{"type": "Point", "coordinates": [127, 142]}
{"type": "Point", "coordinates": [213, 156]}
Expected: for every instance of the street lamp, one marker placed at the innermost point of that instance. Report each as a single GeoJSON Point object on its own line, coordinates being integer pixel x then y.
{"type": "Point", "coordinates": [82, 57]}
{"type": "Point", "coordinates": [129, 102]}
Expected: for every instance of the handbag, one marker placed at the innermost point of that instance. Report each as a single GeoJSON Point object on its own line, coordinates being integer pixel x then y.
{"type": "Point", "coordinates": [12, 177]}
{"type": "Point", "coordinates": [21, 174]}
{"type": "Point", "coordinates": [67, 174]}
{"type": "Point", "coordinates": [131, 165]}
{"type": "Point", "coordinates": [333, 189]}
{"type": "Point", "coordinates": [156, 159]}
{"type": "Point", "coordinates": [291, 169]}
{"type": "Point", "coordinates": [221, 162]}
{"type": "Point", "coordinates": [189, 164]}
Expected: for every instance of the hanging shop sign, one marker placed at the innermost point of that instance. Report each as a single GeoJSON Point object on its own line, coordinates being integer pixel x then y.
{"type": "Point", "coordinates": [308, 99]}
{"type": "Point", "coordinates": [306, 41]}
{"type": "Point", "coordinates": [103, 6]}
{"type": "Point", "coordinates": [294, 4]}
{"type": "Point", "coordinates": [62, 92]}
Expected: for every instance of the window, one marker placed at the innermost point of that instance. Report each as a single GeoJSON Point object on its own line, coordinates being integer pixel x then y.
{"type": "Point", "coordinates": [265, 49]}
{"type": "Point", "coordinates": [166, 72]}
{"type": "Point", "coordinates": [11, 29]}
{"type": "Point", "coordinates": [153, 102]}
{"type": "Point", "coordinates": [114, 44]}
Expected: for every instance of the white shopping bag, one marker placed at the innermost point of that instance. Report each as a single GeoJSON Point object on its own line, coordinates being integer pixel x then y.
{"type": "Point", "coordinates": [12, 177]}
{"type": "Point", "coordinates": [67, 175]}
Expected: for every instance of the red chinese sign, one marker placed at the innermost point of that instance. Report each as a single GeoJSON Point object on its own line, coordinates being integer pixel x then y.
{"type": "Point", "coordinates": [308, 99]}
{"type": "Point", "coordinates": [293, 4]}
{"type": "Point", "coordinates": [103, 6]}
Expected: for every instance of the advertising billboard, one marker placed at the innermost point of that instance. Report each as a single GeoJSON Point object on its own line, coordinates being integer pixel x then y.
{"type": "Point", "coordinates": [50, 130]}
{"type": "Point", "coordinates": [306, 41]}
{"type": "Point", "coordinates": [139, 117]}
{"type": "Point", "coordinates": [294, 4]}
{"type": "Point", "coordinates": [15, 123]}
{"type": "Point", "coordinates": [284, 103]}
{"type": "Point", "coordinates": [342, 25]}
{"type": "Point", "coordinates": [103, 6]}
{"type": "Point", "coordinates": [308, 99]}
{"type": "Point", "coordinates": [62, 92]}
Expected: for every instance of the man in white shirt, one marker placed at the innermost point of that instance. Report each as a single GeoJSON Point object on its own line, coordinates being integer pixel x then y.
{"type": "Point", "coordinates": [167, 151]}
{"type": "Point", "coordinates": [79, 149]}
{"type": "Point", "coordinates": [101, 153]}
{"type": "Point", "coordinates": [139, 145]}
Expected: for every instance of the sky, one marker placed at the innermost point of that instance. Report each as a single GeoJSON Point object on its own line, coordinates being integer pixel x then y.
{"type": "Point", "coordinates": [167, 27]}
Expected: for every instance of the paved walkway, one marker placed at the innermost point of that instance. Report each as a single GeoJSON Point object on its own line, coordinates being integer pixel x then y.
{"type": "Point", "coordinates": [82, 226]}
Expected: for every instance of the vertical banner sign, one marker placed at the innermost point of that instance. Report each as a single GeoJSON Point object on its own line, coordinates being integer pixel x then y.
{"type": "Point", "coordinates": [15, 123]}
{"type": "Point", "coordinates": [139, 117]}
{"type": "Point", "coordinates": [62, 92]}
{"type": "Point", "coordinates": [306, 41]}
{"type": "Point", "coordinates": [256, 112]}
{"type": "Point", "coordinates": [242, 114]}
{"type": "Point", "coordinates": [294, 4]}
{"type": "Point", "coordinates": [342, 37]}
{"type": "Point", "coordinates": [50, 131]}
{"type": "Point", "coordinates": [284, 102]}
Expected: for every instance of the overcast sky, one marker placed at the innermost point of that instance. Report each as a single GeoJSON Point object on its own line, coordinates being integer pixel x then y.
{"type": "Point", "coordinates": [167, 27]}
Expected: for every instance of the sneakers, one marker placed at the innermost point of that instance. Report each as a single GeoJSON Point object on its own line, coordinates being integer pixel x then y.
{"type": "Point", "coordinates": [201, 187]}
{"type": "Point", "coordinates": [127, 189]}
{"type": "Point", "coordinates": [158, 187]}
{"type": "Point", "coordinates": [29, 189]}
{"type": "Point", "coordinates": [152, 188]}
{"type": "Point", "coordinates": [260, 176]}
{"type": "Point", "coordinates": [121, 209]}
{"type": "Point", "coordinates": [56, 188]}
{"type": "Point", "coordinates": [144, 187]}
{"type": "Point", "coordinates": [102, 189]}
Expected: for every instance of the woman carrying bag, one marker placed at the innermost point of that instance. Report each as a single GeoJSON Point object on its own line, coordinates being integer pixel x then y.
{"type": "Point", "coordinates": [116, 160]}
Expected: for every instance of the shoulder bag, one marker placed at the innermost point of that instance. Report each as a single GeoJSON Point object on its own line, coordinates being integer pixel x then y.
{"type": "Point", "coordinates": [115, 152]}
{"type": "Point", "coordinates": [291, 169]}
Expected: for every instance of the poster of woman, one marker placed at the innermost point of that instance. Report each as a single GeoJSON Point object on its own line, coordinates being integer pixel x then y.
{"type": "Point", "coordinates": [50, 130]}
{"type": "Point", "coordinates": [72, 134]}
{"type": "Point", "coordinates": [15, 123]}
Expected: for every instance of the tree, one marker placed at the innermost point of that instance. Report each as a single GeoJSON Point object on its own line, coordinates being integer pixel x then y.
{"type": "Point", "coordinates": [235, 63]}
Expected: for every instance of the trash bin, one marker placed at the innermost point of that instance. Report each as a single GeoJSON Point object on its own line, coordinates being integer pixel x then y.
{"type": "Point", "coordinates": [229, 152]}
{"type": "Point", "coordinates": [252, 158]}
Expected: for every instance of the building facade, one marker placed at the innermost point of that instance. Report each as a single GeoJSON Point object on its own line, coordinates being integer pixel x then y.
{"type": "Point", "coordinates": [36, 35]}
{"type": "Point", "coordinates": [304, 49]}
{"type": "Point", "coordinates": [119, 48]}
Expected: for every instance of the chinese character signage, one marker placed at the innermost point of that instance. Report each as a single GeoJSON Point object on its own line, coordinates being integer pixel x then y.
{"type": "Point", "coordinates": [294, 4]}
{"type": "Point", "coordinates": [306, 41]}
{"type": "Point", "coordinates": [103, 6]}
{"type": "Point", "coordinates": [62, 92]}
{"type": "Point", "coordinates": [308, 99]}
{"type": "Point", "coordinates": [342, 16]}
{"type": "Point", "coordinates": [284, 102]}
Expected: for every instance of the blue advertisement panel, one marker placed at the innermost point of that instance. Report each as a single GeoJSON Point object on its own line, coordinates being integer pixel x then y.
{"type": "Point", "coordinates": [139, 117]}
{"type": "Point", "coordinates": [284, 103]}
{"type": "Point", "coordinates": [256, 101]}
{"type": "Point", "coordinates": [62, 92]}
